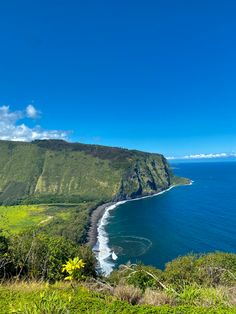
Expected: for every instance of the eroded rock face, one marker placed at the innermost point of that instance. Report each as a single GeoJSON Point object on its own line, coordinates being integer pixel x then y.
{"type": "Point", "coordinates": [52, 171]}
{"type": "Point", "coordinates": [145, 177]}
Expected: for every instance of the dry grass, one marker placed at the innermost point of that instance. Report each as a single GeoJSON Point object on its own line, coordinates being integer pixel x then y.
{"type": "Point", "coordinates": [27, 286]}
{"type": "Point", "coordinates": [92, 284]}
{"type": "Point", "coordinates": [231, 293]}
{"type": "Point", "coordinates": [127, 293]}
{"type": "Point", "coordinates": [156, 297]}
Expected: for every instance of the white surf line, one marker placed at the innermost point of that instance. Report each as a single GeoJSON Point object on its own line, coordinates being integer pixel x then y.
{"type": "Point", "coordinates": [102, 250]}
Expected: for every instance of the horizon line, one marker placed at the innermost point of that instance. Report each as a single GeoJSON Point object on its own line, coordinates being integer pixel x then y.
{"type": "Point", "coordinates": [202, 156]}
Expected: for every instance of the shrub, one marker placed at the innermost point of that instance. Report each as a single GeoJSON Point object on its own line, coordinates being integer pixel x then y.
{"type": "Point", "coordinates": [86, 254]}
{"type": "Point", "coordinates": [181, 271]}
{"type": "Point", "coordinates": [207, 297]}
{"type": "Point", "coordinates": [210, 270]}
{"type": "Point", "coordinates": [140, 276]}
{"type": "Point", "coordinates": [5, 264]}
{"type": "Point", "coordinates": [39, 256]}
{"type": "Point", "coordinates": [217, 268]}
{"type": "Point", "coordinates": [3, 243]}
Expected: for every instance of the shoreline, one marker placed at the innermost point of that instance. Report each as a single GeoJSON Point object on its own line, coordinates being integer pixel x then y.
{"type": "Point", "coordinates": [95, 217]}
{"type": "Point", "coordinates": [98, 238]}
{"type": "Point", "coordinates": [97, 214]}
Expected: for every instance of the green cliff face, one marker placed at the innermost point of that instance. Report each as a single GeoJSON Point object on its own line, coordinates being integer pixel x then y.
{"type": "Point", "coordinates": [53, 171]}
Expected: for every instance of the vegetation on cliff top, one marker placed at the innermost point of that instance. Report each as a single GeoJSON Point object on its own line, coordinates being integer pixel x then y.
{"type": "Point", "coordinates": [66, 181]}
{"type": "Point", "coordinates": [32, 271]}
{"type": "Point", "coordinates": [54, 171]}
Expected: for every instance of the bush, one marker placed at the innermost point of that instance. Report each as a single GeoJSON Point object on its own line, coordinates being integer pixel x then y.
{"type": "Point", "coordinates": [217, 268]}
{"type": "Point", "coordinates": [3, 243]}
{"type": "Point", "coordinates": [140, 276]}
{"type": "Point", "coordinates": [210, 270]}
{"type": "Point", "coordinates": [86, 254]}
{"type": "Point", "coordinates": [207, 297]}
{"type": "Point", "coordinates": [5, 264]}
{"type": "Point", "coordinates": [38, 256]}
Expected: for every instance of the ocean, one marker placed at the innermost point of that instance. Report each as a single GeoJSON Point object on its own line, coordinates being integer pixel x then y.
{"type": "Point", "coordinates": [196, 218]}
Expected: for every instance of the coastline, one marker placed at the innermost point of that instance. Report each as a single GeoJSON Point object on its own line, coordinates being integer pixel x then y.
{"type": "Point", "coordinates": [98, 213]}
{"type": "Point", "coordinates": [94, 220]}
{"type": "Point", "coordinates": [98, 239]}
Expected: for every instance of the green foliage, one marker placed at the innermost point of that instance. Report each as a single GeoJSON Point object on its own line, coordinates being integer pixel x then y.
{"type": "Point", "coordinates": [4, 260]}
{"type": "Point", "coordinates": [218, 268]}
{"type": "Point", "coordinates": [49, 303]}
{"type": "Point", "coordinates": [85, 253]}
{"type": "Point", "coordinates": [53, 171]}
{"type": "Point", "coordinates": [70, 222]}
{"type": "Point", "coordinates": [200, 296]}
{"type": "Point", "coordinates": [39, 256]}
{"type": "Point", "coordinates": [136, 284]}
{"type": "Point", "coordinates": [57, 299]}
{"type": "Point", "coordinates": [3, 243]}
{"type": "Point", "coordinates": [211, 269]}
{"type": "Point", "coordinates": [67, 220]}
{"type": "Point", "coordinates": [140, 276]}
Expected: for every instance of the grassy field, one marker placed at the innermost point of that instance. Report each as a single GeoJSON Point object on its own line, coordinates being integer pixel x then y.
{"type": "Point", "coordinates": [18, 218]}
{"type": "Point", "coordinates": [68, 220]}
{"type": "Point", "coordinates": [38, 298]}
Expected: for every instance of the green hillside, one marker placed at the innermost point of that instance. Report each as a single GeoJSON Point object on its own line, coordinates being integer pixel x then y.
{"type": "Point", "coordinates": [54, 171]}
{"type": "Point", "coordinates": [53, 187]}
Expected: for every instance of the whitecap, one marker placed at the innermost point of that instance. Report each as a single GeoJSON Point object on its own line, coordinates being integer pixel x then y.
{"type": "Point", "coordinates": [101, 249]}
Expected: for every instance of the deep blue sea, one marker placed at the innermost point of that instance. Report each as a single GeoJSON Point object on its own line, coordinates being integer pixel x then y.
{"type": "Point", "coordinates": [197, 218]}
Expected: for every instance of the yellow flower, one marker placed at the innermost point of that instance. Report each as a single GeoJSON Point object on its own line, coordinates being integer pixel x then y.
{"type": "Point", "coordinates": [73, 267]}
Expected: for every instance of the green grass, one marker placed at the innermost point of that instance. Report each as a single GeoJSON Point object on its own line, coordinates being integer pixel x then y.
{"type": "Point", "coordinates": [36, 298]}
{"type": "Point", "coordinates": [68, 220]}
{"type": "Point", "coordinates": [17, 218]}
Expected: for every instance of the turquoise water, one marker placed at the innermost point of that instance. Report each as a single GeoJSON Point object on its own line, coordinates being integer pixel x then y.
{"type": "Point", "coordinates": [195, 218]}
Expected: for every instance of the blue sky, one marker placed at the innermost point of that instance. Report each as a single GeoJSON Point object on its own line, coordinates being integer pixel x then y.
{"type": "Point", "coordinates": [150, 75]}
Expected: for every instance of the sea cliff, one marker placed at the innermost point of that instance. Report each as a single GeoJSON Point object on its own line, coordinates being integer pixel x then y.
{"type": "Point", "coordinates": [55, 171]}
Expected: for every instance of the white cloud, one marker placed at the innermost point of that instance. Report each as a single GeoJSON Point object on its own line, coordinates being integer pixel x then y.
{"type": "Point", "coordinates": [11, 129]}
{"type": "Point", "coordinates": [32, 112]}
{"type": "Point", "coordinates": [203, 156]}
